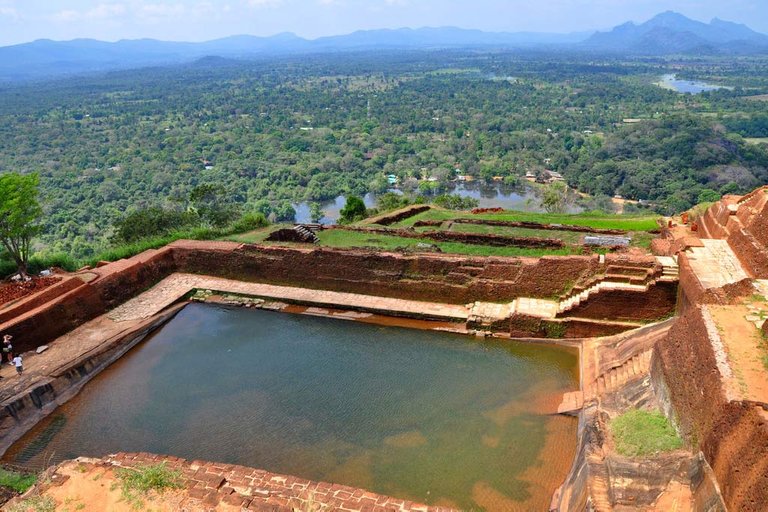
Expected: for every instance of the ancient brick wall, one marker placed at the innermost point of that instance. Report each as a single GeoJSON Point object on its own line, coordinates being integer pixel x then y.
{"type": "Point", "coordinates": [426, 277]}
{"type": "Point", "coordinates": [714, 221]}
{"type": "Point", "coordinates": [746, 231]}
{"type": "Point", "coordinates": [438, 278]}
{"type": "Point", "coordinates": [751, 253]}
{"type": "Point", "coordinates": [733, 435]}
{"type": "Point", "coordinates": [759, 226]}
{"type": "Point", "coordinates": [37, 300]}
{"type": "Point", "coordinates": [655, 304]}
{"type": "Point", "coordinates": [115, 284]}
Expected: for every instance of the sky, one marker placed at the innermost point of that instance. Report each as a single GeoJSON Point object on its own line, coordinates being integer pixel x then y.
{"type": "Point", "coordinates": [199, 20]}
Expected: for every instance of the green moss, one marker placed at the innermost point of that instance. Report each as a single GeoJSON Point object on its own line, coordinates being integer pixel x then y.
{"type": "Point", "coordinates": [554, 330]}
{"type": "Point", "coordinates": [639, 433]}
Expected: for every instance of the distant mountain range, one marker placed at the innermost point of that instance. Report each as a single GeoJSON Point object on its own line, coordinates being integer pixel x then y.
{"type": "Point", "coordinates": [673, 33]}
{"type": "Point", "coordinates": [666, 33]}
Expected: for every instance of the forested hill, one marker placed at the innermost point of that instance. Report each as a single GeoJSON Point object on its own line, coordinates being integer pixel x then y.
{"type": "Point", "coordinates": [283, 130]}
{"type": "Point", "coordinates": [665, 160]}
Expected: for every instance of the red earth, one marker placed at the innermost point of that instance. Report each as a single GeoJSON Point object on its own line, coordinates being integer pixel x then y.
{"type": "Point", "coordinates": [14, 291]}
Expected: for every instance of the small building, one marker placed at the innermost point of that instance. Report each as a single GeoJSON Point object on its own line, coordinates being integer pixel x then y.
{"type": "Point", "coordinates": [549, 177]}
{"type": "Point", "coordinates": [392, 179]}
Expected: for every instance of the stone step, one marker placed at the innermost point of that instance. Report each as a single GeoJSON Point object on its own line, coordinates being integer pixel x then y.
{"type": "Point", "coordinates": [572, 401]}
{"type": "Point", "coordinates": [620, 375]}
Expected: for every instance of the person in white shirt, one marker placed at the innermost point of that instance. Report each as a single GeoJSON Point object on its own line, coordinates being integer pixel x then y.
{"type": "Point", "coordinates": [18, 363]}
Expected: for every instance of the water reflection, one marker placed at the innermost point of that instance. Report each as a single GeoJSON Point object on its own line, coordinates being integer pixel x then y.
{"type": "Point", "coordinates": [687, 86]}
{"type": "Point", "coordinates": [489, 195]}
{"type": "Point", "coordinates": [422, 415]}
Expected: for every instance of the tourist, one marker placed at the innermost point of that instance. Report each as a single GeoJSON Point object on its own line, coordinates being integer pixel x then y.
{"type": "Point", "coordinates": [18, 363]}
{"type": "Point", "coordinates": [7, 348]}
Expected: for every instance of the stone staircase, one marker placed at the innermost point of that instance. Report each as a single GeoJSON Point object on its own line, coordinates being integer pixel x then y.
{"type": "Point", "coordinates": [308, 232]}
{"type": "Point", "coordinates": [670, 271]}
{"type": "Point", "coordinates": [599, 486]}
{"type": "Point", "coordinates": [756, 195]}
{"type": "Point", "coordinates": [615, 378]}
{"type": "Point", "coordinates": [623, 278]}
{"type": "Point", "coordinates": [634, 368]}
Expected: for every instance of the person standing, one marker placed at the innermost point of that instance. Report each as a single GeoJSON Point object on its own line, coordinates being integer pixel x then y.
{"type": "Point", "coordinates": [8, 348]}
{"type": "Point", "coordinates": [18, 363]}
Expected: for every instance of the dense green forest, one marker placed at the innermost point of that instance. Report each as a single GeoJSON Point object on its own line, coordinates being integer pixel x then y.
{"type": "Point", "coordinates": [273, 132]}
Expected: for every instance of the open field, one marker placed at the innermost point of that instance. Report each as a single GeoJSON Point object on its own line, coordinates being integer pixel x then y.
{"type": "Point", "coordinates": [592, 220]}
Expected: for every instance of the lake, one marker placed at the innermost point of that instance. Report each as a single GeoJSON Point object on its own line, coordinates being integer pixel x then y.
{"type": "Point", "coordinates": [687, 86]}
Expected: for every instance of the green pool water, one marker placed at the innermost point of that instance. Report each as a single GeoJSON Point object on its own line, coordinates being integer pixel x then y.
{"type": "Point", "coordinates": [429, 416]}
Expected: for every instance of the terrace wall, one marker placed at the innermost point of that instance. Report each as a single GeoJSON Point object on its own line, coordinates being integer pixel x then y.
{"type": "Point", "coordinates": [425, 277]}
{"type": "Point", "coordinates": [732, 434]}
{"type": "Point", "coordinates": [655, 304]}
{"type": "Point", "coordinates": [745, 229]}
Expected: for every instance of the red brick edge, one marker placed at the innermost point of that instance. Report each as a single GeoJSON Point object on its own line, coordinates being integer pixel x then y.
{"type": "Point", "coordinates": [258, 490]}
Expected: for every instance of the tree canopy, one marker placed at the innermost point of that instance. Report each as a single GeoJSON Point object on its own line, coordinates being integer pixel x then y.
{"type": "Point", "coordinates": [20, 212]}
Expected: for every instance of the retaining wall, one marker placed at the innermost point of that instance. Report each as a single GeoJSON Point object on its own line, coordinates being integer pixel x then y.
{"type": "Point", "coordinates": [732, 434]}
{"type": "Point", "coordinates": [746, 229]}
{"type": "Point", "coordinates": [426, 277]}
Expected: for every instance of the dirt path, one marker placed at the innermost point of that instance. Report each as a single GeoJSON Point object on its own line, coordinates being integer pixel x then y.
{"type": "Point", "coordinates": [742, 342]}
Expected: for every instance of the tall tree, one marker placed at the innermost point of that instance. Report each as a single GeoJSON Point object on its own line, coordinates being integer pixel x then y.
{"type": "Point", "coordinates": [353, 210]}
{"type": "Point", "coordinates": [19, 213]}
{"type": "Point", "coordinates": [555, 198]}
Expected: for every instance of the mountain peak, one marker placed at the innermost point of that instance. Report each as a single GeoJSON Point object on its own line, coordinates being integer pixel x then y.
{"type": "Point", "coordinates": [670, 32]}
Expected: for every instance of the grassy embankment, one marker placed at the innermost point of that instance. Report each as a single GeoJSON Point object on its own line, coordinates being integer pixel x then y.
{"type": "Point", "coordinates": [639, 228]}
{"type": "Point", "coordinates": [638, 433]}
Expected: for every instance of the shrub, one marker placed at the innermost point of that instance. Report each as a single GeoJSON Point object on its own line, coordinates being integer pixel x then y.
{"type": "Point", "coordinates": [455, 202]}
{"type": "Point", "coordinates": [249, 222]}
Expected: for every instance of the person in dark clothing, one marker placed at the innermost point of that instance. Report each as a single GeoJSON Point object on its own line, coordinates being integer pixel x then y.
{"type": "Point", "coordinates": [8, 348]}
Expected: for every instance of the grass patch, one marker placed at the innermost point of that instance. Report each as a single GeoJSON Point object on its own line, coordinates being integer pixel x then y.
{"type": "Point", "coordinates": [258, 236]}
{"type": "Point", "coordinates": [589, 219]}
{"type": "Point", "coordinates": [347, 239]}
{"type": "Point", "coordinates": [19, 482]}
{"type": "Point", "coordinates": [34, 504]}
{"type": "Point", "coordinates": [639, 433]}
{"type": "Point", "coordinates": [137, 483]}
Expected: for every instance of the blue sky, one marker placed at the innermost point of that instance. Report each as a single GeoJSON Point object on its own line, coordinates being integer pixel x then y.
{"type": "Point", "coordinates": [196, 20]}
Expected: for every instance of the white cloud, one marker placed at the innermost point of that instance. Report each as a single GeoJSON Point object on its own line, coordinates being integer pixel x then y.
{"type": "Point", "coordinates": [10, 12]}
{"type": "Point", "coordinates": [258, 4]}
{"type": "Point", "coordinates": [156, 12]}
{"type": "Point", "coordinates": [99, 12]}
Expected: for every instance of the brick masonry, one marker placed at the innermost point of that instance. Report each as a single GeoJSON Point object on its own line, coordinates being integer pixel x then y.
{"type": "Point", "coordinates": [447, 279]}
{"type": "Point", "coordinates": [212, 483]}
